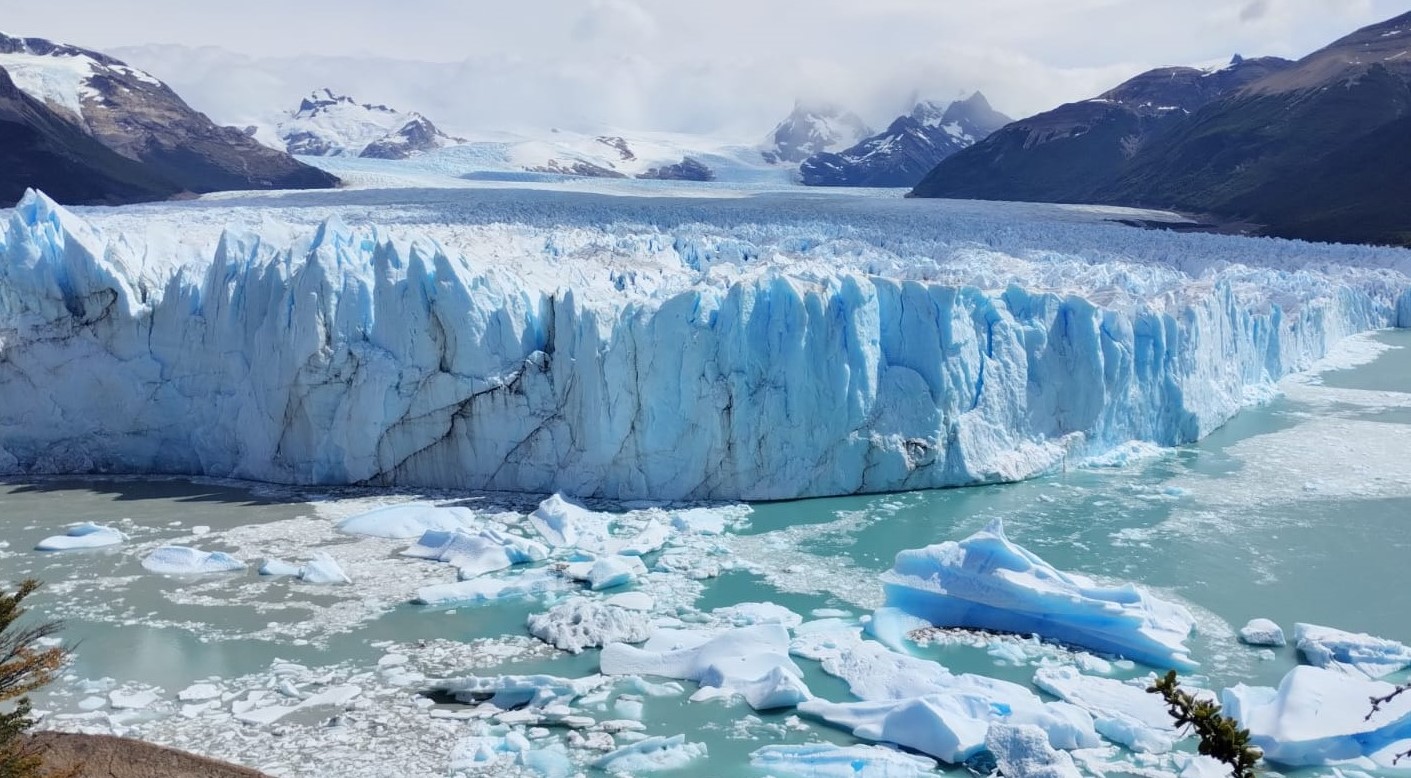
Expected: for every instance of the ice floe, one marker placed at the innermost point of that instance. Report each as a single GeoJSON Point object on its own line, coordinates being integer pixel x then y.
{"type": "Point", "coordinates": [1122, 712]}
{"type": "Point", "coordinates": [580, 623]}
{"type": "Point", "coordinates": [409, 520]}
{"type": "Point", "coordinates": [988, 582]}
{"type": "Point", "coordinates": [1350, 652]}
{"type": "Point", "coordinates": [184, 560]}
{"type": "Point", "coordinates": [826, 760]}
{"type": "Point", "coordinates": [652, 755]}
{"type": "Point", "coordinates": [1023, 751]}
{"type": "Point", "coordinates": [80, 536]}
{"type": "Point", "coordinates": [752, 662]}
{"type": "Point", "coordinates": [1318, 716]}
{"type": "Point", "coordinates": [1262, 632]}
{"type": "Point", "coordinates": [476, 553]}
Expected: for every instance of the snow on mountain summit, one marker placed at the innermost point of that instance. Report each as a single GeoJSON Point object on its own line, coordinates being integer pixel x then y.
{"type": "Point", "coordinates": [63, 77]}
{"type": "Point", "coordinates": [328, 124]}
{"type": "Point", "coordinates": [909, 148]}
{"type": "Point", "coordinates": [70, 110]}
{"type": "Point", "coordinates": [810, 129]}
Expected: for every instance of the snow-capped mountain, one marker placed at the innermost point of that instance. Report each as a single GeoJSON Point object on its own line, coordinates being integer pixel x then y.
{"type": "Point", "coordinates": [43, 150]}
{"type": "Point", "coordinates": [646, 155]}
{"type": "Point", "coordinates": [136, 116]}
{"type": "Point", "coordinates": [328, 124]}
{"type": "Point", "coordinates": [909, 148]}
{"type": "Point", "coordinates": [811, 129]}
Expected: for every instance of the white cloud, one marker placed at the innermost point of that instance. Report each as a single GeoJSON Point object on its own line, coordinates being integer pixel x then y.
{"type": "Point", "coordinates": [729, 66]}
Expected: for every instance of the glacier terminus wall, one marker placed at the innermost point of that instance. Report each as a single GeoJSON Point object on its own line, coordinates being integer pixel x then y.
{"type": "Point", "coordinates": [542, 342]}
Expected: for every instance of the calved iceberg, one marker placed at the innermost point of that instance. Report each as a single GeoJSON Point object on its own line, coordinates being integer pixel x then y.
{"type": "Point", "coordinates": [1320, 717]}
{"type": "Point", "coordinates": [988, 582]}
{"type": "Point", "coordinates": [752, 662]}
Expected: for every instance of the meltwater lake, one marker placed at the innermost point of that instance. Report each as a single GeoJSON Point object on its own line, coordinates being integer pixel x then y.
{"type": "Point", "coordinates": [1296, 510]}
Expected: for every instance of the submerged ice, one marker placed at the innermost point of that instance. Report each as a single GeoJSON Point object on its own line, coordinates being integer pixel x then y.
{"type": "Point", "coordinates": [719, 358]}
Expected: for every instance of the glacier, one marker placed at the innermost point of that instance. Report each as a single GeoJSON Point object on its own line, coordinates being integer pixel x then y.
{"type": "Point", "coordinates": [738, 346]}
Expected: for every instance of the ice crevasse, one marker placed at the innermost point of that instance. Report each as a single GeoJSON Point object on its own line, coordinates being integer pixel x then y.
{"type": "Point", "coordinates": [352, 355]}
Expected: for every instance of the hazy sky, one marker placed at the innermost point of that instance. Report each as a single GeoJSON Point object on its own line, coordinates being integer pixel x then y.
{"type": "Point", "coordinates": [713, 65]}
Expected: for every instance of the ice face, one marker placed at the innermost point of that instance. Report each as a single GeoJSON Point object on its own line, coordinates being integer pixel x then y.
{"type": "Point", "coordinates": [583, 352]}
{"type": "Point", "coordinates": [988, 582]}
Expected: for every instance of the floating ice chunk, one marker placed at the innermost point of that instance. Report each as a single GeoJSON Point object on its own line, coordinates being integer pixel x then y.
{"type": "Point", "coordinates": [651, 538]}
{"type": "Point", "coordinates": [1318, 716]}
{"type": "Point", "coordinates": [611, 571]}
{"type": "Point", "coordinates": [1122, 713]}
{"type": "Point", "coordinates": [486, 589]}
{"type": "Point", "coordinates": [987, 582]}
{"type": "Point", "coordinates": [79, 536]}
{"type": "Point", "coordinates": [477, 553]}
{"type": "Point", "coordinates": [481, 752]}
{"type": "Point", "coordinates": [92, 703]}
{"type": "Point", "coordinates": [950, 727]}
{"type": "Point", "coordinates": [825, 760]}
{"type": "Point", "coordinates": [561, 523]}
{"type": "Point", "coordinates": [183, 560]}
{"type": "Point", "coordinates": [779, 688]}
{"type": "Point", "coordinates": [335, 696]}
{"type": "Point", "coordinates": [199, 692]}
{"type": "Point", "coordinates": [699, 521]}
{"type": "Point", "coordinates": [323, 569]}
{"type": "Point", "coordinates": [1023, 751]}
{"type": "Point", "coordinates": [633, 601]}
{"type": "Point", "coordinates": [126, 699]}
{"type": "Point", "coordinates": [652, 755]}
{"type": "Point", "coordinates": [581, 623]}
{"type": "Point", "coordinates": [1350, 652]}
{"type": "Point", "coordinates": [874, 672]}
{"type": "Point", "coordinates": [398, 522]}
{"type": "Point", "coordinates": [1199, 766]}
{"type": "Point", "coordinates": [518, 691]}
{"type": "Point", "coordinates": [750, 661]}
{"type": "Point", "coordinates": [279, 567]}
{"type": "Point", "coordinates": [1262, 632]}
{"type": "Point", "coordinates": [747, 613]}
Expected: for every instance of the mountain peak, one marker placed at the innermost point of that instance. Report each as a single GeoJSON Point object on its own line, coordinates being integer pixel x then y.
{"type": "Point", "coordinates": [813, 127]}
{"type": "Point", "coordinates": [331, 124]}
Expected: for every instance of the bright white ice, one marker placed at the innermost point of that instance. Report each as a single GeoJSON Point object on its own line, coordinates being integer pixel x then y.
{"type": "Point", "coordinates": [988, 582]}
{"type": "Point", "coordinates": [642, 347]}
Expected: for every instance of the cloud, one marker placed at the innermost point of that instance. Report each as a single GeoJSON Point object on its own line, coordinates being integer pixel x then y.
{"type": "Point", "coordinates": [1255, 9]}
{"type": "Point", "coordinates": [727, 66]}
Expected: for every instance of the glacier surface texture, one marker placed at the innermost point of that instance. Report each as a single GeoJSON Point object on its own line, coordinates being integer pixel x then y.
{"type": "Point", "coordinates": [744, 347]}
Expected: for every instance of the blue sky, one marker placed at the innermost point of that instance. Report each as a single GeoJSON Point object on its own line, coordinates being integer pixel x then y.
{"type": "Point", "coordinates": [673, 64]}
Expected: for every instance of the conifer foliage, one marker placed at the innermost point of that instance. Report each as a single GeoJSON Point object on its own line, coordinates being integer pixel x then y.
{"type": "Point", "coordinates": [1220, 737]}
{"type": "Point", "coordinates": [27, 662]}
